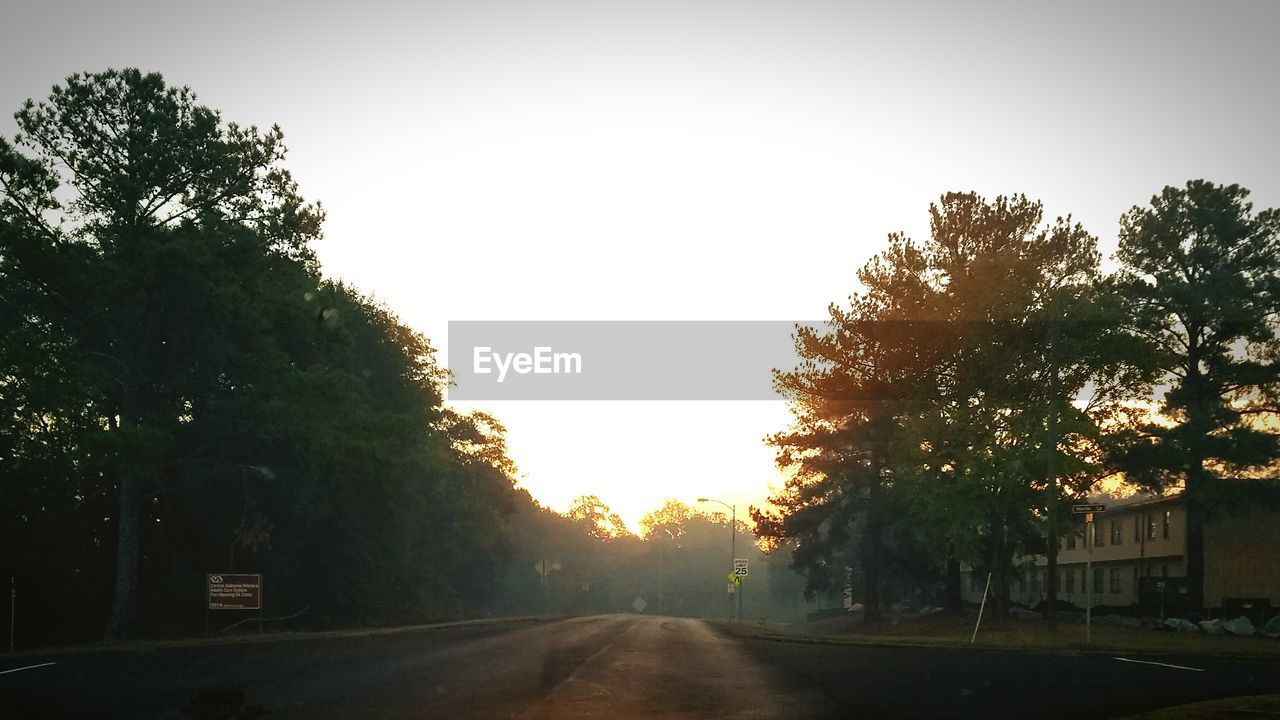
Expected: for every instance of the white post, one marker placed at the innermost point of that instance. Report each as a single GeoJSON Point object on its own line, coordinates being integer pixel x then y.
{"type": "Point", "coordinates": [981, 607]}
{"type": "Point", "coordinates": [1088, 573]}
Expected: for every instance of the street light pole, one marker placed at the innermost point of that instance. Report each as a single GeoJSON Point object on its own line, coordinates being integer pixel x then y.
{"type": "Point", "coordinates": [733, 549]}
{"type": "Point", "coordinates": [659, 577]}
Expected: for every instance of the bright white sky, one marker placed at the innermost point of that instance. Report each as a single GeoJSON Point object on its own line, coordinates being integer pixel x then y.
{"type": "Point", "coordinates": [655, 159]}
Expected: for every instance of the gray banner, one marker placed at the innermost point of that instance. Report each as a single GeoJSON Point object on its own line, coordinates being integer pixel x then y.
{"type": "Point", "coordinates": [618, 360]}
{"type": "Point", "coordinates": [691, 360]}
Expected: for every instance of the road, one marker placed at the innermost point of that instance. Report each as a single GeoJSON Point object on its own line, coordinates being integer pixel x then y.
{"type": "Point", "coordinates": [617, 667]}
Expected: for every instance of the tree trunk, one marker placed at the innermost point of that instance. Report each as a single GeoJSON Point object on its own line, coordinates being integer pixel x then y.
{"type": "Point", "coordinates": [1195, 506]}
{"type": "Point", "coordinates": [1197, 431]}
{"type": "Point", "coordinates": [1051, 467]}
{"type": "Point", "coordinates": [122, 624]}
{"type": "Point", "coordinates": [871, 560]}
{"type": "Point", "coordinates": [953, 601]}
{"type": "Point", "coordinates": [1001, 584]}
{"type": "Point", "coordinates": [1051, 569]}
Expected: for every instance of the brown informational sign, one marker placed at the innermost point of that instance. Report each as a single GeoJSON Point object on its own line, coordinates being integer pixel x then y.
{"type": "Point", "coordinates": [235, 592]}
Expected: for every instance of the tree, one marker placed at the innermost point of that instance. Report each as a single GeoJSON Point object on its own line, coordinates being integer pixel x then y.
{"type": "Point", "coordinates": [1200, 272]}
{"type": "Point", "coordinates": [936, 403]}
{"type": "Point", "coordinates": [601, 522]}
{"type": "Point", "coordinates": [669, 522]}
{"type": "Point", "coordinates": [140, 227]}
{"type": "Point", "coordinates": [850, 398]}
{"type": "Point", "coordinates": [1010, 433]}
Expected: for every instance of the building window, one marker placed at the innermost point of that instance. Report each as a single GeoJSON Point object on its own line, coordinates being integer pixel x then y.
{"type": "Point", "coordinates": [1137, 528]}
{"type": "Point", "coordinates": [1115, 580]}
{"type": "Point", "coordinates": [1168, 518]}
{"type": "Point", "coordinates": [1071, 579]}
{"type": "Point", "coordinates": [1164, 571]}
{"type": "Point", "coordinates": [1099, 537]}
{"type": "Point", "coordinates": [1097, 581]}
{"type": "Point", "coordinates": [1151, 526]}
{"type": "Point", "coordinates": [1071, 540]}
{"type": "Point", "coordinates": [1115, 532]}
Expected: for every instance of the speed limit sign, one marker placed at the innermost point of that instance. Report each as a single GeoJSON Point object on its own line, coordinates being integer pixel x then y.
{"type": "Point", "coordinates": [740, 567]}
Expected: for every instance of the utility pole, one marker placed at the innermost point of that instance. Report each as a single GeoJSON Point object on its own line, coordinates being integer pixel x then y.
{"type": "Point", "coordinates": [733, 550]}
{"type": "Point", "coordinates": [13, 608]}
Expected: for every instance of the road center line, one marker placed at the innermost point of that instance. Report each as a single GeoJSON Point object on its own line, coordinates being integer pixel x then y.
{"type": "Point", "coordinates": [28, 667]}
{"type": "Point", "coordinates": [1150, 662]}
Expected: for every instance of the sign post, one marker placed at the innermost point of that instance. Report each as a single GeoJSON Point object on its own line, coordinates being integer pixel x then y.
{"type": "Point", "coordinates": [231, 591]}
{"type": "Point", "coordinates": [739, 574]}
{"type": "Point", "coordinates": [544, 569]}
{"type": "Point", "coordinates": [1090, 539]}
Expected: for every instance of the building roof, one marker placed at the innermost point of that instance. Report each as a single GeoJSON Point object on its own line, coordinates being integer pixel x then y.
{"type": "Point", "coordinates": [1137, 500]}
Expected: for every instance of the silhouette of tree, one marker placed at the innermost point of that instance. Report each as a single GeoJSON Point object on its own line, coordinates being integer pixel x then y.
{"type": "Point", "coordinates": [1200, 272]}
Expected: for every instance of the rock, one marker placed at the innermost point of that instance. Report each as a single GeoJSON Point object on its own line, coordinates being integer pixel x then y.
{"type": "Point", "coordinates": [1272, 628]}
{"type": "Point", "coordinates": [856, 607]}
{"type": "Point", "coordinates": [1240, 626]}
{"type": "Point", "coordinates": [1180, 625]}
{"type": "Point", "coordinates": [1151, 623]}
{"type": "Point", "coordinates": [1024, 613]}
{"type": "Point", "coordinates": [1212, 627]}
{"type": "Point", "coordinates": [931, 611]}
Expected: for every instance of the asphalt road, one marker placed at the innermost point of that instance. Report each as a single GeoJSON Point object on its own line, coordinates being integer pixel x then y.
{"type": "Point", "coordinates": [616, 667]}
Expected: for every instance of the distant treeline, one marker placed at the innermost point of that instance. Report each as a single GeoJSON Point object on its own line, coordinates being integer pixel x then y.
{"type": "Point", "coordinates": [181, 392]}
{"type": "Point", "coordinates": [679, 564]}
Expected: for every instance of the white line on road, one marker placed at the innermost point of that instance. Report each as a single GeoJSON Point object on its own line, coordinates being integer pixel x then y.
{"type": "Point", "coordinates": [1149, 662]}
{"type": "Point", "coordinates": [29, 667]}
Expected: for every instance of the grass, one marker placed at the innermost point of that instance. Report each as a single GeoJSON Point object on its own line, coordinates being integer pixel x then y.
{"type": "Point", "coordinates": [1250, 706]}
{"type": "Point", "coordinates": [1004, 633]}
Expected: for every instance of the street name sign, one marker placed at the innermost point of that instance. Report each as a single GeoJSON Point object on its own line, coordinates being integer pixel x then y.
{"type": "Point", "coordinates": [740, 567]}
{"type": "Point", "coordinates": [229, 591]}
{"type": "Point", "coordinates": [1088, 509]}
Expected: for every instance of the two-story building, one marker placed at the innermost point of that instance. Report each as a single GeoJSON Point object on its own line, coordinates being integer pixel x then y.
{"type": "Point", "coordinates": [1137, 549]}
